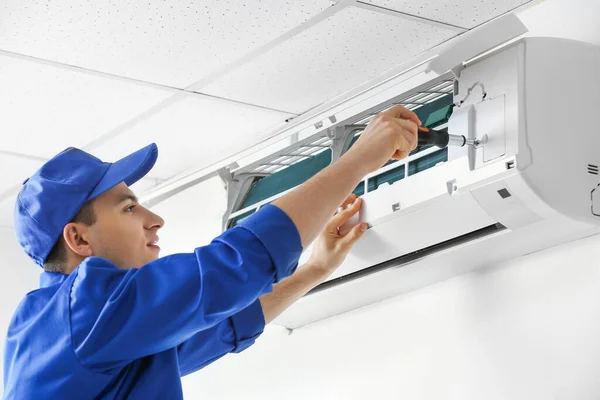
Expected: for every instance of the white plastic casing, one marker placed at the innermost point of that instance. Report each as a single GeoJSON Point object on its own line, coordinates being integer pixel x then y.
{"type": "Point", "coordinates": [536, 176]}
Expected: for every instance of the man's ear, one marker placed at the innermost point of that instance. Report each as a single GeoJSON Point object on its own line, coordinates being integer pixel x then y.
{"type": "Point", "coordinates": [75, 236]}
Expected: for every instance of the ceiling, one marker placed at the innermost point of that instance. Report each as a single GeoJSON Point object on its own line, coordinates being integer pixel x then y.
{"type": "Point", "coordinates": [202, 78]}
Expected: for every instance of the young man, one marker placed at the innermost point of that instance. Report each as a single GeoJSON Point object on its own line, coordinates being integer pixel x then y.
{"type": "Point", "coordinates": [112, 320]}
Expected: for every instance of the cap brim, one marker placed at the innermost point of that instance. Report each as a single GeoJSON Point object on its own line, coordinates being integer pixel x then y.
{"type": "Point", "coordinates": [129, 169]}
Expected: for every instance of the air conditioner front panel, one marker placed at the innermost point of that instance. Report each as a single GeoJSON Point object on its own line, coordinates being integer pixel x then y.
{"type": "Point", "coordinates": [443, 219]}
{"type": "Point", "coordinates": [429, 208]}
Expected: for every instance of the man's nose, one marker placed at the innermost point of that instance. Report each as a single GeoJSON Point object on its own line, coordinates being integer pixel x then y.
{"type": "Point", "coordinates": [155, 221]}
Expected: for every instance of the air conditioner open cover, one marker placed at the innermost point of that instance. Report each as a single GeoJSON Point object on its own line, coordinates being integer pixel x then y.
{"type": "Point", "coordinates": [531, 185]}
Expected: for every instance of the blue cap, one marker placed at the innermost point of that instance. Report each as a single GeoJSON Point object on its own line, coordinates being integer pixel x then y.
{"type": "Point", "coordinates": [52, 197]}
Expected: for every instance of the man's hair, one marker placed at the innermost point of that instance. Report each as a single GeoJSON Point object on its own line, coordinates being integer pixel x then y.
{"type": "Point", "coordinates": [58, 255]}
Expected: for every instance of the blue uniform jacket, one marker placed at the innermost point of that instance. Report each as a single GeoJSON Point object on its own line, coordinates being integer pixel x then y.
{"type": "Point", "coordinates": [104, 332]}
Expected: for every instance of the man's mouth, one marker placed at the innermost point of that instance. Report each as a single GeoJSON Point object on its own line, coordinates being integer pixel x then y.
{"type": "Point", "coordinates": [154, 244]}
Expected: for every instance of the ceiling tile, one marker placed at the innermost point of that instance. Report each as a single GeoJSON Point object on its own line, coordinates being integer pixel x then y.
{"type": "Point", "coordinates": [340, 53]}
{"type": "Point", "coordinates": [193, 132]}
{"type": "Point", "coordinates": [463, 13]}
{"type": "Point", "coordinates": [15, 170]}
{"type": "Point", "coordinates": [170, 42]}
{"type": "Point", "coordinates": [46, 109]}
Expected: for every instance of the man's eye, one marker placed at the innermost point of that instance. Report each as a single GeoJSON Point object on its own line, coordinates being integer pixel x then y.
{"type": "Point", "coordinates": [130, 208]}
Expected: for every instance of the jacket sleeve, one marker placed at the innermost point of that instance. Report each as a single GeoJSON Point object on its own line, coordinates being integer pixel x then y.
{"type": "Point", "coordinates": [233, 335]}
{"type": "Point", "coordinates": [118, 316]}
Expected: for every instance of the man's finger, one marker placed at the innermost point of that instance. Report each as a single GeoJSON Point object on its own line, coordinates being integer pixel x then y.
{"type": "Point", "coordinates": [400, 155]}
{"type": "Point", "coordinates": [340, 218]}
{"type": "Point", "coordinates": [354, 235]}
{"type": "Point", "coordinates": [403, 113]}
{"type": "Point", "coordinates": [349, 200]}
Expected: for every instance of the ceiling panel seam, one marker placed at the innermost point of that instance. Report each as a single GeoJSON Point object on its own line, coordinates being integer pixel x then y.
{"type": "Point", "coordinates": [174, 90]}
{"type": "Point", "coordinates": [243, 103]}
{"type": "Point", "coordinates": [412, 17]}
{"type": "Point", "coordinates": [323, 15]}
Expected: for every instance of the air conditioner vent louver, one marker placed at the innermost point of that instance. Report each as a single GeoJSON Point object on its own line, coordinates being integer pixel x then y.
{"type": "Point", "coordinates": [592, 169]}
{"type": "Point", "coordinates": [413, 256]}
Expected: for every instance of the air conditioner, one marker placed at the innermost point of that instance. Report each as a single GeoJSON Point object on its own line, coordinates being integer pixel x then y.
{"type": "Point", "coordinates": [532, 182]}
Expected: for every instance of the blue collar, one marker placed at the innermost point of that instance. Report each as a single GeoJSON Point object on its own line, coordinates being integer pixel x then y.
{"type": "Point", "coordinates": [51, 278]}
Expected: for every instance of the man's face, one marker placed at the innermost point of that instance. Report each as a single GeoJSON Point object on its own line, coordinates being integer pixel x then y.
{"type": "Point", "coordinates": [124, 233]}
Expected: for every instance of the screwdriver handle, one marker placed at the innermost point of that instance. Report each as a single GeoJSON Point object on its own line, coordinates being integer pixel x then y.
{"type": "Point", "coordinates": [431, 137]}
{"type": "Point", "coordinates": [441, 138]}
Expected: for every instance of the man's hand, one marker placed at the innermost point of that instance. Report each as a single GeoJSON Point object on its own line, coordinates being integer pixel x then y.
{"type": "Point", "coordinates": [329, 251]}
{"type": "Point", "coordinates": [331, 247]}
{"type": "Point", "coordinates": [392, 134]}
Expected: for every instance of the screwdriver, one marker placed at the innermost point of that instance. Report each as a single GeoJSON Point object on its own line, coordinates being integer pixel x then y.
{"type": "Point", "coordinates": [441, 138]}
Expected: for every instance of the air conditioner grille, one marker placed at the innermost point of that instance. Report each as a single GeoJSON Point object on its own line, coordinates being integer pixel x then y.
{"type": "Point", "coordinates": [292, 166]}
